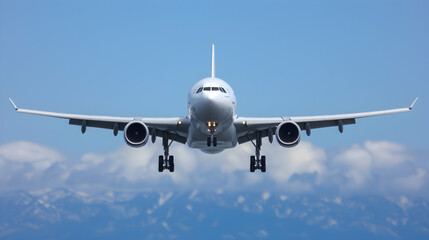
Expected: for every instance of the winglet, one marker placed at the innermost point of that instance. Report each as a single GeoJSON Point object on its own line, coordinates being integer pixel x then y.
{"type": "Point", "coordinates": [16, 108]}
{"type": "Point", "coordinates": [213, 61]}
{"type": "Point", "coordinates": [411, 106]}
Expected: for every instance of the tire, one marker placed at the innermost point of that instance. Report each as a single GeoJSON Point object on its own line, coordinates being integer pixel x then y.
{"type": "Point", "coordinates": [263, 164]}
{"type": "Point", "coordinates": [171, 163]}
{"type": "Point", "coordinates": [160, 163]}
{"type": "Point", "coordinates": [214, 142]}
{"type": "Point", "coordinates": [209, 142]}
{"type": "Point", "coordinates": [252, 163]}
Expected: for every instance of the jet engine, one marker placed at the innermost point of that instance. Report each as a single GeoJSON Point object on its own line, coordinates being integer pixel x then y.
{"type": "Point", "coordinates": [288, 134]}
{"type": "Point", "coordinates": [136, 134]}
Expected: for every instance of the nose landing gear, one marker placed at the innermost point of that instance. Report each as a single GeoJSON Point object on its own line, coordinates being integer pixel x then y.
{"type": "Point", "coordinates": [258, 161]}
{"type": "Point", "coordinates": [166, 161]}
{"type": "Point", "coordinates": [211, 140]}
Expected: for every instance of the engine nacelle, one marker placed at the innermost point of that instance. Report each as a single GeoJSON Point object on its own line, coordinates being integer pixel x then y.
{"type": "Point", "coordinates": [136, 134]}
{"type": "Point", "coordinates": [288, 134]}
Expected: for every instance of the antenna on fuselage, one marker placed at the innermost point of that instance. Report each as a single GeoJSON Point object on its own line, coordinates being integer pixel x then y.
{"type": "Point", "coordinates": [213, 61]}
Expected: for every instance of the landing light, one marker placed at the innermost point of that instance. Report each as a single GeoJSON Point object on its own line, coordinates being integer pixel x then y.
{"type": "Point", "coordinates": [210, 124]}
{"type": "Point", "coordinates": [179, 122]}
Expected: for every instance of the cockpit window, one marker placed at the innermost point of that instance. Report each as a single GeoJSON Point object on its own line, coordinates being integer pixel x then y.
{"type": "Point", "coordinates": [206, 88]}
{"type": "Point", "coordinates": [215, 88]}
{"type": "Point", "coordinates": [200, 89]}
{"type": "Point", "coordinates": [222, 90]}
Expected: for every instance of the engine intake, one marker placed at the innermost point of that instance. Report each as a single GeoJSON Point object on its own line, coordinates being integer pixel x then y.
{"type": "Point", "coordinates": [288, 134]}
{"type": "Point", "coordinates": [136, 134]}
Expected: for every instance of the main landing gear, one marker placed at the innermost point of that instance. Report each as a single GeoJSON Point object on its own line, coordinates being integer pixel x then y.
{"type": "Point", "coordinates": [258, 161]}
{"type": "Point", "coordinates": [166, 161]}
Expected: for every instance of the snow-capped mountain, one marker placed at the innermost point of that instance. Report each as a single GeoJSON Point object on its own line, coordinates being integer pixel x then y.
{"type": "Point", "coordinates": [66, 214]}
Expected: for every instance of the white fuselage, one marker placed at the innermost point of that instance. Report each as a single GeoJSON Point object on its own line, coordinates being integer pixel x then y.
{"type": "Point", "coordinates": [211, 110]}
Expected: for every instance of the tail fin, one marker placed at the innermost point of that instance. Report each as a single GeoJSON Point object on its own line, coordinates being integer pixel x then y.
{"type": "Point", "coordinates": [213, 61]}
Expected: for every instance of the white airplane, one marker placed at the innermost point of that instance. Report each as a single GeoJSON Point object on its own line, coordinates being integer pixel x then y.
{"type": "Point", "coordinates": [212, 124]}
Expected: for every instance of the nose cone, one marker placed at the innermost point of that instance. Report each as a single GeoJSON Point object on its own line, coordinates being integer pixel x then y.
{"type": "Point", "coordinates": [212, 107]}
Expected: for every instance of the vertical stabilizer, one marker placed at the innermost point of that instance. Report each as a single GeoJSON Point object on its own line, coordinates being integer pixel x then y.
{"type": "Point", "coordinates": [213, 61]}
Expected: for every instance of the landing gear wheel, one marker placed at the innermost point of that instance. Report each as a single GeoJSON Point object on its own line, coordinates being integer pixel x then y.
{"type": "Point", "coordinates": [171, 163]}
{"type": "Point", "coordinates": [166, 161]}
{"type": "Point", "coordinates": [209, 142]}
{"type": "Point", "coordinates": [252, 163]}
{"type": "Point", "coordinates": [263, 164]}
{"type": "Point", "coordinates": [214, 142]}
{"type": "Point", "coordinates": [257, 161]}
{"type": "Point", "coordinates": [160, 163]}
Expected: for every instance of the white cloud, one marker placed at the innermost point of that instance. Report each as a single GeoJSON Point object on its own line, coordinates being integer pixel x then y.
{"type": "Point", "coordinates": [21, 162]}
{"type": "Point", "coordinates": [356, 165]}
{"type": "Point", "coordinates": [284, 162]}
{"type": "Point", "coordinates": [38, 156]}
{"type": "Point", "coordinates": [374, 167]}
{"type": "Point", "coordinates": [413, 182]}
{"type": "Point", "coordinates": [386, 154]}
{"type": "Point", "coordinates": [361, 165]}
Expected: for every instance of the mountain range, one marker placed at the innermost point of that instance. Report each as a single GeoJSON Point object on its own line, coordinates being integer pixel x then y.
{"type": "Point", "coordinates": [68, 214]}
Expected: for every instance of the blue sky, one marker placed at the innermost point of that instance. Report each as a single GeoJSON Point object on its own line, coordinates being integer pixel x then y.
{"type": "Point", "coordinates": [283, 58]}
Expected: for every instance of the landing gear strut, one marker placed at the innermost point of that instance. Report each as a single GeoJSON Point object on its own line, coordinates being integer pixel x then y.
{"type": "Point", "coordinates": [211, 140]}
{"type": "Point", "coordinates": [258, 161]}
{"type": "Point", "coordinates": [166, 161]}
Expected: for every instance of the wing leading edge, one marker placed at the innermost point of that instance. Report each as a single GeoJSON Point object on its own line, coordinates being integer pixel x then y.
{"type": "Point", "coordinates": [177, 128]}
{"type": "Point", "coordinates": [247, 127]}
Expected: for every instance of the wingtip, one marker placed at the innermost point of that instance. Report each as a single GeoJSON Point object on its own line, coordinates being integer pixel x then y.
{"type": "Point", "coordinates": [412, 104]}
{"type": "Point", "coordinates": [16, 108]}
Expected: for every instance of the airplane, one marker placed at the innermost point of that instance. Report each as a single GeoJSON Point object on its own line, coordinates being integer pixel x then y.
{"type": "Point", "coordinates": [212, 124]}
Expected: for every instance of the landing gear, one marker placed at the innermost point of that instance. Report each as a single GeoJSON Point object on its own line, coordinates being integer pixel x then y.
{"type": "Point", "coordinates": [171, 163]}
{"type": "Point", "coordinates": [166, 161]}
{"type": "Point", "coordinates": [258, 161]}
{"type": "Point", "coordinates": [211, 140]}
{"type": "Point", "coordinates": [263, 164]}
{"type": "Point", "coordinates": [252, 163]}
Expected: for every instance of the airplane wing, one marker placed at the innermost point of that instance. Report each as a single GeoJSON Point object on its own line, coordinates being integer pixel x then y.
{"type": "Point", "coordinates": [247, 127]}
{"type": "Point", "coordinates": [177, 128]}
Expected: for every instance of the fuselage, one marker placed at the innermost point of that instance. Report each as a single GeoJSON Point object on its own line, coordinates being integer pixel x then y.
{"type": "Point", "coordinates": [212, 110]}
